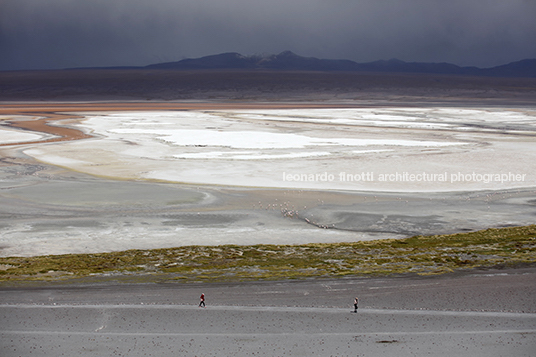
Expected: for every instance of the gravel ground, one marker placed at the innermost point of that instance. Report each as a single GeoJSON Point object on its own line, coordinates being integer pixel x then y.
{"type": "Point", "coordinates": [479, 313]}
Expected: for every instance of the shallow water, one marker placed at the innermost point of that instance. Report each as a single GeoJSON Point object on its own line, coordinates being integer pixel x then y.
{"type": "Point", "coordinates": [236, 187]}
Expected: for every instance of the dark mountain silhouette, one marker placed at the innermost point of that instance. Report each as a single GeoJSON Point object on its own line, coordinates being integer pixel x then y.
{"type": "Point", "coordinates": [523, 68]}
{"type": "Point", "coordinates": [229, 60]}
{"type": "Point", "coordinates": [291, 61]}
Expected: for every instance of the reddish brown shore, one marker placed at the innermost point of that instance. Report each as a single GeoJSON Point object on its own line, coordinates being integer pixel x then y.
{"type": "Point", "coordinates": [52, 112]}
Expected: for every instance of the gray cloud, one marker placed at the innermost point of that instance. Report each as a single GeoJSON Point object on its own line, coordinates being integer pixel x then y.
{"type": "Point", "coordinates": [73, 33]}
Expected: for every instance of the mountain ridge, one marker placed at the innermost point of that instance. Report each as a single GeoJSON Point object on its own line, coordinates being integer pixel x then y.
{"type": "Point", "coordinates": [288, 60]}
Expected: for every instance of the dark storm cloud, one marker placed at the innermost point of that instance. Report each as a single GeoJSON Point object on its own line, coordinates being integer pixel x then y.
{"type": "Point", "coordinates": [75, 33]}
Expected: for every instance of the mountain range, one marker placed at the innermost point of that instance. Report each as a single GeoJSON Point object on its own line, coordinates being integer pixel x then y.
{"type": "Point", "coordinates": [290, 61]}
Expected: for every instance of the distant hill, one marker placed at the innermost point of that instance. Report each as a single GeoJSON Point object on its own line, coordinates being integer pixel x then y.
{"type": "Point", "coordinates": [290, 61]}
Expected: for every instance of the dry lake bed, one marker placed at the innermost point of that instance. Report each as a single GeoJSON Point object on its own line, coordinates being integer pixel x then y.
{"type": "Point", "coordinates": [150, 178]}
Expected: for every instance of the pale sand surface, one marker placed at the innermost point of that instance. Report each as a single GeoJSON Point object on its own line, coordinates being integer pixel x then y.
{"type": "Point", "coordinates": [486, 313]}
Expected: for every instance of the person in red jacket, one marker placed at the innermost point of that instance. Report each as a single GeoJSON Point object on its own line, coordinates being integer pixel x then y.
{"type": "Point", "coordinates": [202, 302]}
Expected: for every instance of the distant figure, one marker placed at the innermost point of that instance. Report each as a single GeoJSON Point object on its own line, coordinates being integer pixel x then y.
{"type": "Point", "coordinates": [202, 302]}
{"type": "Point", "coordinates": [356, 301]}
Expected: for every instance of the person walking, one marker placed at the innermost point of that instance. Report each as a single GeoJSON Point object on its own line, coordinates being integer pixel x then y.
{"type": "Point", "coordinates": [202, 302]}
{"type": "Point", "coordinates": [356, 301]}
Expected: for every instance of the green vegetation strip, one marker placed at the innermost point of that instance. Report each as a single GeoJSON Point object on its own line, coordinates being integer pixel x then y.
{"type": "Point", "coordinates": [421, 255]}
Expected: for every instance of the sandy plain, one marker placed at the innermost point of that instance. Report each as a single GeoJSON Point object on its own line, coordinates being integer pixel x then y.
{"type": "Point", "coordinates": [482, 313]}
{"type": "Point", "coordinates": [52, 207]}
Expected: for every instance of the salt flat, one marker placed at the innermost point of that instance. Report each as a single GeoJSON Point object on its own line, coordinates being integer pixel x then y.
{"type": "Point", "coordinates": [374, 149]}
{"type": "Point", "coordinates": [12, 136]}
{"type": "Point", "coordinates": [164, 178]}
{"type": "Point", "coordinates": [8, 136]}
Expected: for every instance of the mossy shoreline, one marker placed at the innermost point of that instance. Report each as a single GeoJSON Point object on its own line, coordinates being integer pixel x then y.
{"type": "Point", "coordinates": [511, 246]}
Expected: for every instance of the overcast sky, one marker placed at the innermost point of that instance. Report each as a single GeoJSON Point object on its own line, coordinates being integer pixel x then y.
{"type": "Point", "coordinates": [46, 34]}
